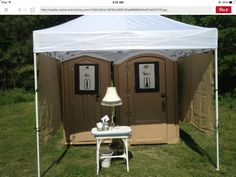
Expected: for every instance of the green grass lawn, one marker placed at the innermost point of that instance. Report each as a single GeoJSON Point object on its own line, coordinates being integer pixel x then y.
{"type": "Point", "coordinates": [192, 157]}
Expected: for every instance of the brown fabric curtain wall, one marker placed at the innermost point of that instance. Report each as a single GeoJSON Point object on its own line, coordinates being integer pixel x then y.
{"type": "Point", "coordinates": [196, 91]}
{"type": "Point", "coordinates": [49, 85]}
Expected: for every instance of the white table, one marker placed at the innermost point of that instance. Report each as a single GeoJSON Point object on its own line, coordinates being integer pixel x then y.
{"type": "Point", "coordinates": [118, 132]}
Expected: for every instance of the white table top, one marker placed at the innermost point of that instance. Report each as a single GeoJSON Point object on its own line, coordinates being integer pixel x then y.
{"type": "Point", "coordinates": [116, 131]}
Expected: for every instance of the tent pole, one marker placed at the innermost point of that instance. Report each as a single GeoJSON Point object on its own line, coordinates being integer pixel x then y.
{"type": "Point", "coordinates": [36, 113]}
{"type": "Point", "coordinates": [217, 112]}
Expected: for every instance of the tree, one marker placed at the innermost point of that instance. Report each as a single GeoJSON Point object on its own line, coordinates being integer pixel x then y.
{"type": "Point", "coordinates": [16, 57]}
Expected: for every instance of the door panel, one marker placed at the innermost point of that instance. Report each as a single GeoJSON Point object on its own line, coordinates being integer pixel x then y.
{"type": "Point", "coordinates": [84, 108]}
{"type": "Point", "coordinates": [147, 108]}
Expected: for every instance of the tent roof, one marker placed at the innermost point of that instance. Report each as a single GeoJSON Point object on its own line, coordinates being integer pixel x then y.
{"type": "Point", "coordinates": [123, 32]}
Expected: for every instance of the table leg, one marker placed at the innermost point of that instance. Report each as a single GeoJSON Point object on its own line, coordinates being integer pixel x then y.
{"type": "Point", "coordinates": [98, 154]}
{"type": "Point", "coordinates": [127, 154]}
{"type": "Point", "coordinates": [125, 140]}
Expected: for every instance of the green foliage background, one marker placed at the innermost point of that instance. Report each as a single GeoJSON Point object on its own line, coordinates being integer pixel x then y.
{"type": "Point", "coordinates": [16, 48]}
{"type": "Point", "coordinates": [16, 57]}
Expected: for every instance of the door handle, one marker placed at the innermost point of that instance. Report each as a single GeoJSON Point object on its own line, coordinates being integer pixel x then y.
{"type": "Point", "coordinates": [163, 95]}
{"type": "Point", "coordinates": [163, 106]}
{"type": "Point", "coordinates": [97, 97]}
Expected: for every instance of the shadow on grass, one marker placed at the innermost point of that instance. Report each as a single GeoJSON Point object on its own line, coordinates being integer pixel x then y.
{"type": "Point", "coordinates": [55, 162]}
{"type": "Point", "coordinates": [189, 141]}
{"type": "Point", "coordinates": [118, 147]}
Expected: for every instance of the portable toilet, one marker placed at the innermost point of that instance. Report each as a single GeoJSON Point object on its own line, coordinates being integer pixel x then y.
{"type": "Point", "coordinates": [147, 85]}
{"type": "Point", "coordinates": [84, 82]}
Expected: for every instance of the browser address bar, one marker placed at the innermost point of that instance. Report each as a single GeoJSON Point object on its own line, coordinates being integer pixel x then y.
{"type": "Point", "coordinates": [161, 10]}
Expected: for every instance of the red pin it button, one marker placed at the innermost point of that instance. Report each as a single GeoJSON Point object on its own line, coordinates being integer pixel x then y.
{"type": "Point", "coordinates": [223, 9]}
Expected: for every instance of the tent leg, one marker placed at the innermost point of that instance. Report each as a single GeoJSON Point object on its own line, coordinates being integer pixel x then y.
{"type": "Point", "coordinates": [36, 113]}
{"type": "Point", "coordinates": [217, 112]}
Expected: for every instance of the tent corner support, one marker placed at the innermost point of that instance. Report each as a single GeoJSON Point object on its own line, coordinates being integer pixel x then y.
{"type": "Point", "coordinates": [36, 112]}
{"type": "Point", "coordinates": [217, 112]}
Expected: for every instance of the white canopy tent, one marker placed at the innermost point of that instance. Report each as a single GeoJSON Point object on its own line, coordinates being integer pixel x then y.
{"type": "Point", "coordinates": [123, 32]}
{"type": "Point", "coordinates": [119, 36]}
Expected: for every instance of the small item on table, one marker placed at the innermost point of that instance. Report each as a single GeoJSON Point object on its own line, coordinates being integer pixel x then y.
{"type": "Point", "coordinates": [105, 126]}
{"type": "Point", "coordinates": [105, 120]}
{"type": "Point", "coordinates": [99, 126]}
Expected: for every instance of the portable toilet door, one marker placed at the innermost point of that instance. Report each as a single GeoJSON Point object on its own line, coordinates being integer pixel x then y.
{"type": "Point", "coordinates": [84, 82]}
{"type": "Point", "coordinates": [147, 87]}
